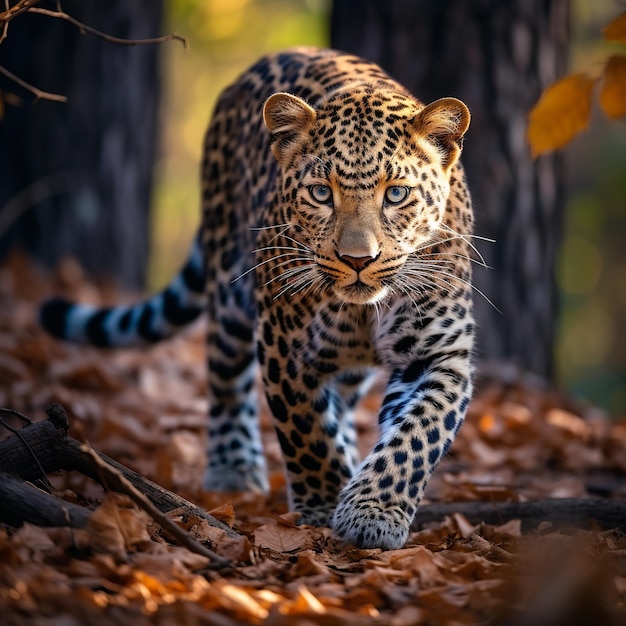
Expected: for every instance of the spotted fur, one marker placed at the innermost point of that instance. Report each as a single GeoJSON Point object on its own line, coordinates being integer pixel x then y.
{"type": "Point", "coordinates": [336, 226]}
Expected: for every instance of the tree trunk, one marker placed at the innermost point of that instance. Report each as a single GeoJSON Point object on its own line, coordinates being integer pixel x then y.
{"type": "Point", "coordinates": [76, 177]}
{"type": "Point", "coordinates": [497, 57]}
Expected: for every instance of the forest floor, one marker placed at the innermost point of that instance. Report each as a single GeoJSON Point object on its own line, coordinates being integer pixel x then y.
{"type": "Point", "coordinates": [146, 408]}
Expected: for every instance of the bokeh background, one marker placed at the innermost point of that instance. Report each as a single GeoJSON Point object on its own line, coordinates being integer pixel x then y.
{"type": "Point", "coordinates": [227, 35]}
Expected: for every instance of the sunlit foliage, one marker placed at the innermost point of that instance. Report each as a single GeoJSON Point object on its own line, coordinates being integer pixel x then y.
{"type": "Point", "coordinates": [225, 37]}
{"type": "Point", "coordinates": [564, 109]}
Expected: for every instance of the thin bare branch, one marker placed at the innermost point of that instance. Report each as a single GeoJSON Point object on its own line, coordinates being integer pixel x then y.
{"type": "Point", "coordinates": [59, 14]}
{"type": "Point", "coordinates": [5, 25]}
{"type": "Point", "coordinates": [38, 93]}
{"type": "Point", "coordinates": [28, 6]}
{"type": "Point", "coordinates": [22, 6]}
{"type": "Point", "coordinates": [160, 518]}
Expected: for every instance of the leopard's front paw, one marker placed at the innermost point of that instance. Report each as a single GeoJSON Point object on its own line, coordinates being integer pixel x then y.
{"type": "Point", "coordinates": [371, 524]}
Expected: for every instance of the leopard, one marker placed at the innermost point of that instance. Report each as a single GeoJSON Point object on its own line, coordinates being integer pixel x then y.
{"type": "Point", "coordinates": [334, 250]}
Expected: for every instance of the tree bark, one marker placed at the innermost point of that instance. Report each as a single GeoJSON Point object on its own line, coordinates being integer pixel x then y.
{"type": "Point", "coordinates": [497, 57]}
{"type": "Point", "coordinates": [76, 177]}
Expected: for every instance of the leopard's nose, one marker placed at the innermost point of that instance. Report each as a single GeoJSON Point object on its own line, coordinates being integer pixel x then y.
{"type": "Point", "coordinates": [357, 263]}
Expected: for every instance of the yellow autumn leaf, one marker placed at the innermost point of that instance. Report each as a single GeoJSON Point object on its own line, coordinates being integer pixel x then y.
{"type": "Point", "coordinates": [613, 92]}
{"type": "Point", "coordinates": [562, 112]}
{"type": "Point", "coordinates": [616, 30]}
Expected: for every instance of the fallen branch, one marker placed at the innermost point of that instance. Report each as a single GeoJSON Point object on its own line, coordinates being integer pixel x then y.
{"type": "Point", "coordinates": [184, 539]}
{"type": "Point", "coordinates": [577, 512]}
{"type": "Point", "coordinates": [22, 502]}
{"type": "Point", "coordinates": [53, 449]}
{"type": "Point", "coordinates": [46, 447]}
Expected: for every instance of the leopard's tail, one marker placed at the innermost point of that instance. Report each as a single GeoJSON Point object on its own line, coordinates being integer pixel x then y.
{"type": "Point", "coordinates": [152, 320]}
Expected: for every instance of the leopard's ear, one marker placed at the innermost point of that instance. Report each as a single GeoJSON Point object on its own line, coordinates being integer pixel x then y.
{"type": "Point", "coordinates": [444, 122]}
{"type": "Point", "coordinates": [288, 119]}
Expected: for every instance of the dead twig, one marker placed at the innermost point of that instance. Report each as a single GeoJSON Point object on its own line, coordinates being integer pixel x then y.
{"type": "Point", "coordinates": [60, 14]}
{"type": "Point", "coordinates": [11, 12]}
{"type": "Point", "coordinates": [28, 6]}
{"type": "Point", "coordinates": [110, 473]}
{"type": "Point", "coordinates": [38, 93]}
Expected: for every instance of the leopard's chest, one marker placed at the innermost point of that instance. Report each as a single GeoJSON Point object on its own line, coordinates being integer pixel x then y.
{"type": "Point", "coordinates": [342, 335]}
{"type": "Point", "coordinates": [324, 337]}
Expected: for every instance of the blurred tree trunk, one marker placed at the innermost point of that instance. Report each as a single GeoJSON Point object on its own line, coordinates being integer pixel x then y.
{"type": "Point", "coordinates": [76, 178]}
{"type": "Point", "coordinates": [497, 57]}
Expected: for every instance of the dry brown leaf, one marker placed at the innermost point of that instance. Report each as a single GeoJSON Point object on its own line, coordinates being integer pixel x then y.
{"type": "Point", "coordinates": [519, 442]}
{"type": "Point", "coordinates": [282, 538]}
{"type": "Point", "coordinates": [242, 602]}
{"type": "Point", "coordinates": [308, 564]}
{"type": "Point", "coordinates": [94, 374]}
{"type": "Point", "coordinates": [512, 528]}
{"type": "Point", "coordinates": [289, 519]}
{"type": "Point", "coordinates": [306, 602]}
{"type": "Point", "coordinates": [616, 30]}
{"type": "Point", "coordinates": [169, 563]}
{"type": "Point", "coordinates": [613, 90]}
{"type": "Point", "coordinates": [12, 369]}
{"type": "Point", "coordinates": [465, 528]}
{"type": "Point", "coordinates": [233, 548]}
{"type": "Point", "coordinates": [224, 513]}
{"type": "Point", "coordinates": [115, 528]}
{"type": "Point", "coordinates": [562, 112]}
{"type": "Point", "coordinates": [415, 562]}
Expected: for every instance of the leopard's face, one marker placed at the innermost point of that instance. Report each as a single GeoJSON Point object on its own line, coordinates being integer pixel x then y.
{"type": "Point", "coordinates": [365, 180]}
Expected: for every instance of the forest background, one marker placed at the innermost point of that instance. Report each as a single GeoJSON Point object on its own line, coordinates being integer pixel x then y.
{"type": "Point", "coordinates": [227, 35]}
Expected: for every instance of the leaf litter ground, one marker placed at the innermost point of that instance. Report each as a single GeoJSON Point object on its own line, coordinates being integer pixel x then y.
{"type": "Point", "coordinates": [146, 408]}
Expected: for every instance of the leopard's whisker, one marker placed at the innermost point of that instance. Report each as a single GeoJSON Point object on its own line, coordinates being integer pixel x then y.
{"type": "Point", "coordinates": [466, 239]}
{"type": "Point", "coordinates": [298, 243]}
{"type": "Point", "coordinates": [424, 278]}
{"type": "Point", "coordinates": [296, 286]}
{"type": "Point", "coordinates": [261, 263]}
{"type": "Point", "coordinates": [289, 273]}
{"type": "Point", "coordinates": [445, 277]}
{"type": "Point", "coordinates": [270, 227]}
{"type": "Point", "coordinates": [467, 236]}
{"type": "Point", "coordinates": [407, 293]}
{"type": "Point", "coordinates": [278, 249]}
{"type": "Point", "coordinates": [458, 256]}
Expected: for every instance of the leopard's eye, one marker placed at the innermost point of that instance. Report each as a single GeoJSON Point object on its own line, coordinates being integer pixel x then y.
{"type": "Point", "coordinates": [321, 193]}
{"type": "Point", "coordinates": [396, 194]}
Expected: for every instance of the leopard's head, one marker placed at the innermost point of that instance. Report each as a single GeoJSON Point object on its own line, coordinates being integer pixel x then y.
{"type": "Point", "coordinates": [365, 179]}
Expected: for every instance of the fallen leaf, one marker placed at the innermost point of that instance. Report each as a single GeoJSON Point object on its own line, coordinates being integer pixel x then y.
{"type": "Point", "coordinates": [115, 528]}
{"type": "Point", "coordinates": [520, 441]}
{"type": "Point", "coordinates": [224, 513]}
{"type": "Point", "coordinates": [282, 538]}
